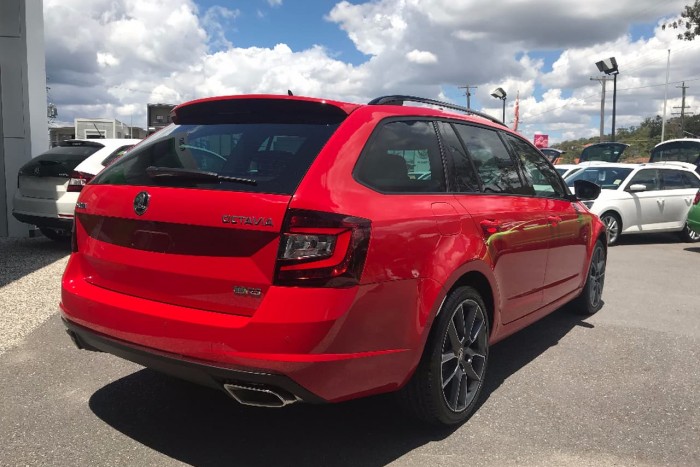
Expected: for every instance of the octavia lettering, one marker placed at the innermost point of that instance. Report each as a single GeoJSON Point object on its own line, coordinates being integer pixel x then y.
{"type": "Point", "coordinates": [246, 220]}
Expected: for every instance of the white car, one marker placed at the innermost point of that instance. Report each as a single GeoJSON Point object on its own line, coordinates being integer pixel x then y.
{"type": "Point", "coordinates": [643, 198]}
{"type": "Point", "coordinates": [567, 169]}
{"type": "Point", "coordinates": [48, 186]}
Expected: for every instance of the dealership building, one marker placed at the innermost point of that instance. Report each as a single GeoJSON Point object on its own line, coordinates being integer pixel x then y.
{"type": "Point", "coordinates": [23, 115]}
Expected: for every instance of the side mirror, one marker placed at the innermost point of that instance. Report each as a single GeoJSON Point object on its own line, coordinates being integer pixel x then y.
{"type": "Point", "coordinates": [585, 190]}
{"type": "Point", "coordinates": [637, 187]}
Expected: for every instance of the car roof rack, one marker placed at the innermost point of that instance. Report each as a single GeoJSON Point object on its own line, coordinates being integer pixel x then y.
{"type": "Point", "coordinates": [399, 100]}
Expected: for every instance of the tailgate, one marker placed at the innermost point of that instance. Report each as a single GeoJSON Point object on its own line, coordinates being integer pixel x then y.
{"type": "Point", "coordinates": [203, 249]}
{"type": "Point", "coordinates": [31, 186]}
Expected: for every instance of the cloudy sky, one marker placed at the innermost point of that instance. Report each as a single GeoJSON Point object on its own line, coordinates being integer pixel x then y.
{"type": "Point", "coordinates": [109, 58]}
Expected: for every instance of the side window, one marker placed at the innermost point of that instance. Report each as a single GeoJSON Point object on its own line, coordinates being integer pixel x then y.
{"type": "Point", "coordinates": [466, 179]}
{"type": "Point", "coordinates": [496, 169]}
{"type": "Point", "coordinates": [691, 180]}
{"type": "Point", "coordinates": [537, 172]}
{"type": "Point", "coordinates": [648, 177]}
{"type": "Point", "coordinates": [403, 157]}
{"type": "Point", "coordinates": [672, 180]}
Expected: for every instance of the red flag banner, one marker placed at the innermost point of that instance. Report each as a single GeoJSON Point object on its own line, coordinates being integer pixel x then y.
{"type": "Point", "coordinates": [541, 141]}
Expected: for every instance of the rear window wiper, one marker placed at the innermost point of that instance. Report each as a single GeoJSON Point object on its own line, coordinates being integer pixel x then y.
{"type": "Point", "coordinates": [172, 173]}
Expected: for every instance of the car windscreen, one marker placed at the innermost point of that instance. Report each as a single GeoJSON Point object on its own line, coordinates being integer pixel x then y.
{"type": "Point", "coordinates": [682, 151]}
{"type": "Point", "coordinates": [59, 161]}
{"type": "Point", "coordinates": [605, 152]}
{"type": "Point", "coordinates": [267, 157]}
{"type": "Point", "coordinates": [609, 178]}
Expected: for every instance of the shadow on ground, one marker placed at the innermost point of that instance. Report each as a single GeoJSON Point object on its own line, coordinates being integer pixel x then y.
{"type": "Point", "coordinates": [200, 426]}
{"type": "Point", "coordinates": [649, 239]}
{"type": "Point", "coordinates": [22, 256]}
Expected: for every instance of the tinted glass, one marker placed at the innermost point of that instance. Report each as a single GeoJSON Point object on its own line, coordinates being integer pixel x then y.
{"type": "Point", "coordinates": [550, 154]}
{"type": "Point", "coordinates": [496, 169]}
{"type": "Point", "coordinates": [59, 161]}
{"type": "Point", "coordinates": [561, 171]}
{"type": "Point", "coordinates": [672, 180]}
{"type": "Point", "coordinates": [691, 180]}
{"type": "Point", "coordinates": [275, 155]}
{"type": "Point", "coordinates": [537, 172]}
{"type": "Point", "coordinates": [647, 177]}
{"type": "Point", "coordinates": [609, 178]}
{"type": "Point", "coordinates": [403, 157]}
{"type": "Point", "coordinates": [607, 152]}
{"type": "Point", "coordinates": [683, 151]}
{"type": "Point", "coordinates": [466, 179]}
{"type": "Point", "coordinates": [109, 160]}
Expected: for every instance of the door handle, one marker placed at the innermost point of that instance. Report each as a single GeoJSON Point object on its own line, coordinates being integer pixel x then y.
{"type": "Point", "coordinates": [490, 226]}
{"type": "Point", "coordinates": [554, 220]}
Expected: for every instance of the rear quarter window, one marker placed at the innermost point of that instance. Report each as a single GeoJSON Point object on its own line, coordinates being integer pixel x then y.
{"type": "Point", "coordinates": [402, 157]}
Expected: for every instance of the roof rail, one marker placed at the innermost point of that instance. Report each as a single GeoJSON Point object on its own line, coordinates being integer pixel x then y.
{"type": "Point", "coordinates": [399, 100]}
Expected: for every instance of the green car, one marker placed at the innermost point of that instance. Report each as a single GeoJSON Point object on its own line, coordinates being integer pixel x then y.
{"type": "Point", "coordinates": [694, 214]}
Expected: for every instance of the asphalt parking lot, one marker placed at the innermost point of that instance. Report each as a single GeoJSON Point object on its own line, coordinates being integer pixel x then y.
{"type": "Point", "coordinates": [619, 388]}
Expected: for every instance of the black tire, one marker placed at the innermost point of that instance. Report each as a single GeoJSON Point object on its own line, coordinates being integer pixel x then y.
{"type": "Point", "coordinates": [446, 386]}
{"type": "Point", "coordinates": [613, 224]}
{"type": "Point", "coordinates": [57, 235]}
{"type": "Point", "coordinates": [689, 235]}
{"type": "Point", "coordinates": [591, 298]}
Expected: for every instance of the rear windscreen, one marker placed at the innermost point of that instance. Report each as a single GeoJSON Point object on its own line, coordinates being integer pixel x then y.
{"type": "Point", "coordinates": [682, 151]}
{"type": "Point", "coordinates": [59, 161]}
{"type": "Point", "coordinates": [606, 152]}
{"type": "Point", "coordinates": [275, 156]}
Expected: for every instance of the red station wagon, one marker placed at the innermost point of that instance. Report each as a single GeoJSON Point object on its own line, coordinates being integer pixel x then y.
{"type": "Point", "coordinates": [275, 247]}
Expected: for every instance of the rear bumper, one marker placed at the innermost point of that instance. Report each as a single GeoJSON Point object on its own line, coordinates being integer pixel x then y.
{"type": "Point", "coordinates": [335, 344]}
{"type": "Point", "coordinates": [64, 223]}
{"type": "Point", "coordinates": [44, 212]}
{"type": "Point", "coordinates": [197, 372]}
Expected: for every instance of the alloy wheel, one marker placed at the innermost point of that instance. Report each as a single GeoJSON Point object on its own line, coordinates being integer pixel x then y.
{"type": "Point", "coordinates": [692, 235]}
{"type": "Point", "coordinates": [596, 277]}
{"type": "Point", "coordinates": [464, 353]}
{"type": "Point", "coordinates": [613, 227]}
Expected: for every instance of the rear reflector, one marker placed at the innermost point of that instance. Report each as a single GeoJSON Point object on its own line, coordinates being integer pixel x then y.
{"type": "Point", "coordinates": [78, 180]}
{"type": "Point", "coordinates": [697, 198]}
{"type": "Point", "coordinates": [320, 249]}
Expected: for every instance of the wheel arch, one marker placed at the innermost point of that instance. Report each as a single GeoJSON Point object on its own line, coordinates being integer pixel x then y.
{"type": "Point", "coordinates": [479, 282]}
{"type": "Point", "coordinates": [479, 275]}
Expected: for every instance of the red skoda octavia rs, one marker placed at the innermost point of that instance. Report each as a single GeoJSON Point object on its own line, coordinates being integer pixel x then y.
{"type": "Point", "coordinates": [288, 249]}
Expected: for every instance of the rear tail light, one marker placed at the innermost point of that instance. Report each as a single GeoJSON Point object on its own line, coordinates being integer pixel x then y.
{"type": "Point", "coordinates": [78, 180]}
{"type": "Point", "coordinates": [697, 198]}
{"type": "Point", "coordinates": [320, 249]}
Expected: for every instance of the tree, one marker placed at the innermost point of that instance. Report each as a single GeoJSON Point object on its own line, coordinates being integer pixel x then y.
{"type": "Point", "coordinates": [690, 22]}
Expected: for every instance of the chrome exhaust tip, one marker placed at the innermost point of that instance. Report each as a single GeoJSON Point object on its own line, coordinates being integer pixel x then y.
{"type": "Point", "coordinates": [260, 396]}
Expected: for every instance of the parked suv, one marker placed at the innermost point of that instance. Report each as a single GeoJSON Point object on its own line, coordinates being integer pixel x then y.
{"type": "Point", "coordinates": [277, 248]}
{"type": "Point", "coordinates": [49, 184]}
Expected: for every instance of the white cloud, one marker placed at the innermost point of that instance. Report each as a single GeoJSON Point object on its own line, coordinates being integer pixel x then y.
{"type": "Point", "coordinates": [122, 54]}
{"type": "Point", "coordinates": [274, 3]}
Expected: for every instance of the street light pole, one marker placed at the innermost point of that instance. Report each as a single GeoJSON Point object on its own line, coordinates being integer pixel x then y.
{"type": "Point", "coordinates": [614, 104]}
{"type": "Point", "coordinates": [609, 67]}
{"type": "Point", "coordinates": [499, 93]}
